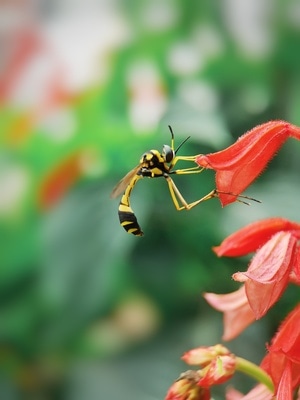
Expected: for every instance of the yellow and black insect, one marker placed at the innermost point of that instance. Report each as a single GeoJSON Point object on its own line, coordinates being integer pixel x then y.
{"type": "Point", "coordinates": [154, 164]}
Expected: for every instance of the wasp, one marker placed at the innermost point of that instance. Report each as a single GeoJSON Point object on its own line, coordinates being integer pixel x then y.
{"type": "Point", "coordinates": [154, 164]}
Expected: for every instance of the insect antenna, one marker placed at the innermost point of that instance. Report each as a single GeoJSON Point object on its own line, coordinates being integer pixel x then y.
{"type": "Point", "coordinates": [172, 135]}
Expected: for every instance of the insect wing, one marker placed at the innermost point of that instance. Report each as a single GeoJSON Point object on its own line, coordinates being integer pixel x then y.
{"type": "Point", "coordinates": [121, 186]}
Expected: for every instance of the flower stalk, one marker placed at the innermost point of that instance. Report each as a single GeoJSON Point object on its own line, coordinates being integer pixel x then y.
{"type": "Point", "coordinates": [254, 371]}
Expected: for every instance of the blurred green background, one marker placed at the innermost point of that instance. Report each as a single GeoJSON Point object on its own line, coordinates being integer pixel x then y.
{"type": "Point", "coordinates": [88, 311]}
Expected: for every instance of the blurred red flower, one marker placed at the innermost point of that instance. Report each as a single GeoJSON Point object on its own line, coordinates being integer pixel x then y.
{"type": "Point", "coordinates": [59, 180]}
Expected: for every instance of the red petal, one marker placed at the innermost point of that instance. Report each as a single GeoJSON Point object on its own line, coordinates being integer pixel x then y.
{"type": "Point", "coordinates": [239, 165]}
{"type": "Point", "coordinates": [295, 273]}
{"type": "Point", "coordinates": [254, 235]}
{"type": "Point", "coordinates": [273, 260]}
{"type": "Point", "coordinates": [268, 273]}
{"type": "Point", "coordinates": [276, 363]}
{"type": "Point", "coordinates": [284, 390]}
{"type": "Point", "coordinates": [287, 340]}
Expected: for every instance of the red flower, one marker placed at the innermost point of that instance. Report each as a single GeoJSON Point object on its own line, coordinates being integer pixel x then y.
{"type": "Point", "coordinates": [283, 361]}
{"type": "Point", "coordinates": [240, 164]}
{"type": "Point", "coordinates": [217, 362]}
{"type": "Point", "coordinates": [275, 264]}
{"type": "Point", "coordinates": [237, 312]}
{"type": "Point", "coordinates": [219, 366]}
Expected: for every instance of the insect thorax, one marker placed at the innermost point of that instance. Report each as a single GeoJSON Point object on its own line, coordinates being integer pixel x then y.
{"type": "Point", "coordinates": [153, 164]}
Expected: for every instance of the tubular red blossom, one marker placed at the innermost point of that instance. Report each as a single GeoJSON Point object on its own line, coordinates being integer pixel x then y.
{"type": "Point", "coordinates": [237, 311]}
{"type": "Point", "coordinates": [254, 235]}
{"type": "Point", "coordinates": [268, 273]}
{"type": "Point", "coordinates": [283, 361]}
{"type": "Point", "coordinates": [240, 164]}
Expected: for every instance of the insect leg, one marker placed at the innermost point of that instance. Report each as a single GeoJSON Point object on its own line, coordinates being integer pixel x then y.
{"type": "Point", "coordinates": [176, 195]}
{"type": "Point", "coordinates": [182, 158]}
{"type": "Point", "coordinates": [192, 170]}
{"type": "Point", "coordinates": [197, 170]}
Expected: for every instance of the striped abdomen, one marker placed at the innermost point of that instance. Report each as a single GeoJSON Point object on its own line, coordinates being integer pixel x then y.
{"type": "Point", "coordinates": [128, 221]}
{"type": "Point", "coordinates": [126, 215]}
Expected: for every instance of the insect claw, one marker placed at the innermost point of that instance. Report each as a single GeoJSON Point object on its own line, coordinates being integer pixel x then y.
{"type": "Point", "coordinates": [238, 197]}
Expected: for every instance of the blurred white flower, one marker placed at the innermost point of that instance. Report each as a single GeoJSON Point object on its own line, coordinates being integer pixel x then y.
{"type": "Point", "coordinates": [147, 97]}
{"type": "Point", "coordinates": [14, 185]}
{"type": "Point", "coordinates": [249, 22]}
{"type": "Point", "coordinates": [185, 58]}
{"type": "Point", "coordinates": [159, 16]}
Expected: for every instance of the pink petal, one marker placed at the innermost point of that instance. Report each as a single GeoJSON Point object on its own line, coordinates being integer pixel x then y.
{"type": "Point", "coordinates": [237, 312]}
{"type": "Point", "coordinates": [259, 392]}
{"type": "Point", "coordinates": [268, 273]}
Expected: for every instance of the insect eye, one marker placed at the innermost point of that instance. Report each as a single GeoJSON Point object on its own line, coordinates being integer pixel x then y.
{"type": "Point", "coordinates": [168, 153]}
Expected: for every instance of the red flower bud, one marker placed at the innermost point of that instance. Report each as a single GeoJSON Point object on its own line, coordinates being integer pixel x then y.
{"type": "Point", "coordinates": [202, 356]}
{"type": "Point", "coordinates": [220, 370]}
{"type": "Point", "coordinates": [187, 388]}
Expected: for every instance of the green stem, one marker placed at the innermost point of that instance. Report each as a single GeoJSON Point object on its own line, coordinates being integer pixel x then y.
{"type": "Point", "coordinates": [255, 372]}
